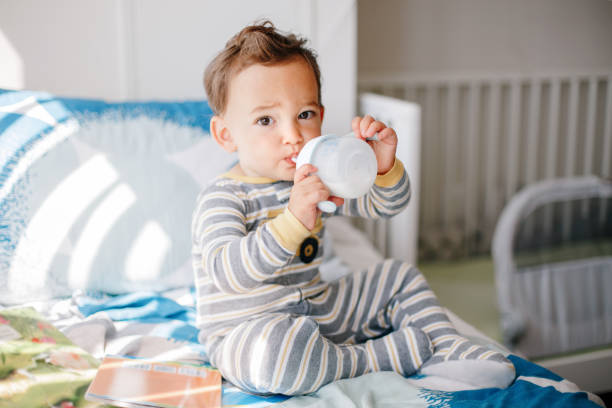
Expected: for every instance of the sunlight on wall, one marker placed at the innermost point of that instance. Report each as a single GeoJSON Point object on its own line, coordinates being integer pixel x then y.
{"type": "Point", "coordinates": [145, 258]}
{"type": "Point", "coordinates": [95, 231]}
{"type": "Point", "coordinates": [48, 228]}
{"type": "Point", "coordinates": [12, 73]}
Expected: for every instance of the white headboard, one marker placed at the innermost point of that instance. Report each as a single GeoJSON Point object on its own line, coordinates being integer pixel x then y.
{"type": "Point", "coordinates": [398, 237]}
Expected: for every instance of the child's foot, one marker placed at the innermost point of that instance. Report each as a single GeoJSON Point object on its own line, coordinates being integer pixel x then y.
{"type": "Point", "coordinates": [458, 358]}
{"type": "Point", "coordinates": [402, 351]}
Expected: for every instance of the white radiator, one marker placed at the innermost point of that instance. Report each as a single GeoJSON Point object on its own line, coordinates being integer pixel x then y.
{"type": "Point", "coordinates": [486, 136]}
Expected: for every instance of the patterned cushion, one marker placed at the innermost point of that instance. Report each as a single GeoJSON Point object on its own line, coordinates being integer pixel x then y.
{"type": "Point", "coordinates": [97, 195]}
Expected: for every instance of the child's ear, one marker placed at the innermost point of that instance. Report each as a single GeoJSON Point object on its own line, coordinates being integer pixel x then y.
{"type": "Point", "coordinates": [322, 112]}
{"type": "Point", "coordinates": [221, 134]}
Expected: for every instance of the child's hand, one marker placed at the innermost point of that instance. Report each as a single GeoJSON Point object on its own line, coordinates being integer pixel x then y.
{"type": "Point", "coordinates": [386, 145]}
{"type": "Point", "coordinates": [308, 190]}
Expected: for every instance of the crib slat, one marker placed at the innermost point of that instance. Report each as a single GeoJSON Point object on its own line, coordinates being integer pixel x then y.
{"type": "Point", "coordinates": [553, 128]}
{"type": "Point", "coordinates": [533, 131]}
{"type": "Point", "coordinates": [607, 147]}
{"type": "Point", "coordinates": [409, 93]}
{"type": "Point", "coordinates": [450, 156]}
{"type": "Point", "coordinates": [570, 150]}
{"type": "Point", "coordinates": [590, 126]}
{"type": "Point", "coordinates": [387, 90]}
{"type": "Point", "coordinates": [590, 135]}
{"type": "Point", "coordinates": [471, 163]}
{"type": "Point", "coordinates": [533, 123]}
{"type": "Point", "coordinates": [430, 144]}
{"type": "Point", "coordinates": [492, 143]}
{"type": "Point", "coordinates": [551, 145]}
{"type": "Point", "coordinates": [513, 140]}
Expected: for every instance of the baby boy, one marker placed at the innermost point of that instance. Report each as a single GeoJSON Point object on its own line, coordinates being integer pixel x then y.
{"type": "Point", "coordinates": [268, 321]}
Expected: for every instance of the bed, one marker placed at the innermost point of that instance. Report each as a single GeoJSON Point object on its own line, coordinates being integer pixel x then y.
{"type": "Point", "coordinates": [95, 206]}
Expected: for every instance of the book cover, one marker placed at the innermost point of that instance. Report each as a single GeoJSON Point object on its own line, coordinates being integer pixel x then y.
{"type": "Point", "coordinates": [39, 365]}
{"type": "Point", "coordinates": [138, 382]}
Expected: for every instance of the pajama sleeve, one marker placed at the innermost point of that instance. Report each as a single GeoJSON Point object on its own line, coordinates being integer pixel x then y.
{"type": "Point", "coordinates": [238, 260]}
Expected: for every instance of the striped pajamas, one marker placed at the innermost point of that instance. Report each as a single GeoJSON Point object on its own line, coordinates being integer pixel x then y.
{"type": "Point", "coordinates": [271, 325]}
{"type": "Point", "coordinates": [351, 328]}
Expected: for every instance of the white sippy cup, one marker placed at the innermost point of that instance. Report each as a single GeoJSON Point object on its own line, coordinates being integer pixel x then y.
{"type": "Point", "coordinates": [346, 165]}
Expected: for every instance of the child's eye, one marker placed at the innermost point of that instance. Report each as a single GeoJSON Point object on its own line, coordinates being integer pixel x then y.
{"type": "Point", "coordinates": [265, 121]}
{"type": "Point", "coordinates": [306, 115]}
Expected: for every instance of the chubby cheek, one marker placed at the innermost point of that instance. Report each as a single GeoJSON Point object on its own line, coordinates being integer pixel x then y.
{"type": "Point", "coordinates": [266, 156]}
{"type": "Point", "coordinates": [289, 174]}
{"type": "Point", "coordinates": [312, 135]}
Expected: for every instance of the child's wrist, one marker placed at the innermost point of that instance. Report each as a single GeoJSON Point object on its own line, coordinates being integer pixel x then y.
{"type": "Point", "coordinates": [288, 230]}
{"type": "Point", "coordinates": [391, 177]}
{"type": "Point", "coordinates": [386, 169]}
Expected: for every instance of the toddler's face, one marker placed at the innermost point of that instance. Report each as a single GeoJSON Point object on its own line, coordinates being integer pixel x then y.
{"type": "Point", "coordinates": [271, 112]}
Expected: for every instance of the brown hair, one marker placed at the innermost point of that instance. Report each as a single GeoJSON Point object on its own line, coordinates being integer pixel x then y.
{"type": "Point", "coordinates": [260, 43]}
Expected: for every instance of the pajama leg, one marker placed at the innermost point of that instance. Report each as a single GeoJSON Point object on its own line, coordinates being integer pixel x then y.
{"type": "Point", "coordinates": [355, 309]}
{"type": "Point", "coordinates": [393, 295]}
{"type": "Point", "coordinates": [286, 354]}
{"type": "Point", "coordinates": [454, 356]}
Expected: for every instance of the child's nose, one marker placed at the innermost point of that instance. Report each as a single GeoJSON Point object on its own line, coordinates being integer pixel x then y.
{"type": "Point", "coordinates": [292, 135]}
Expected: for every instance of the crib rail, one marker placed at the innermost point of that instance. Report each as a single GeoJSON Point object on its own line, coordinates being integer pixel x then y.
{"type": "Point", "coordinates": [484, 137]}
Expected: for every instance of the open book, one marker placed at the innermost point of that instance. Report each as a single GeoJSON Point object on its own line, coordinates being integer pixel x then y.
{"type": "Point", "coordinates": [137, 382]}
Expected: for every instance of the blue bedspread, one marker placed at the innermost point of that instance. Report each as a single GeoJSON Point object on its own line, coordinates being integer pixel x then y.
{"type": "Point", "coordinates": [534, 386]}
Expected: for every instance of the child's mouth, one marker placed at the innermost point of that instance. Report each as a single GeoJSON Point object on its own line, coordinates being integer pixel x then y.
{"type": "Point", "coordinates": [292, 159]}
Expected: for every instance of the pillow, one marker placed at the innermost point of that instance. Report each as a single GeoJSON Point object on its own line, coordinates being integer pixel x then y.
{"type": "Point", "coordinates": [97, 195]}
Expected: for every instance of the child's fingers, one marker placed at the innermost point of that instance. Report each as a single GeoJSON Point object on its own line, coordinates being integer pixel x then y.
{"type": "Point", "coordinates": [314, 188]}
{"type": "Point", "coordinates": [355, 126]}
{"type": "Point", "coordinates": [336, 200]}
{"type": "Point", "coordinates": [387, 135]}
{"type": "Point", "coordinates": [310, 192]}
{"type": "Point", "coordinates": [319, 194]}
{"type": "Point", "coordinates": [364, 124]}
{"type": "Point", "coordinates": [374, 127]}
{"type": "Point", "coordinates": [304, 171]}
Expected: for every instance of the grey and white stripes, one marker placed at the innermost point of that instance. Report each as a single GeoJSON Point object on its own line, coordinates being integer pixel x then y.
{"type": "Point", "coordinates": [327, 337]}
{"type": "Point", "coordinates": [243, 255]}
{"type": "Point", "coordinates": [268, 321]}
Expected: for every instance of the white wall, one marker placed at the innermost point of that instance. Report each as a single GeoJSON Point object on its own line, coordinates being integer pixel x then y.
{"type": "Point", "coordinates": [143, 49]}
{"type": "Point", "coordinates": [517, 36]}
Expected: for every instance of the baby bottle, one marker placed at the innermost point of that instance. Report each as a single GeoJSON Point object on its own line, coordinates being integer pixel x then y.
{"type": "Point", "coordinates": [345, 164]}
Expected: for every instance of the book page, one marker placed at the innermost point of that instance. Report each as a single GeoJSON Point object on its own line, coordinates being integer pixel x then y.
{"type": "Point", "coordinates": [144, 382]}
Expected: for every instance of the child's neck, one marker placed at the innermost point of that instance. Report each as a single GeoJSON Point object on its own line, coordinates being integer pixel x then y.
{"type": "Point", "coordinates": [238, 173]}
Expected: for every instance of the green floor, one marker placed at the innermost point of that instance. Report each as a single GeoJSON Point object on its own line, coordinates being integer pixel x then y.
{"type": "Point", "coordinates": [468, 289]}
